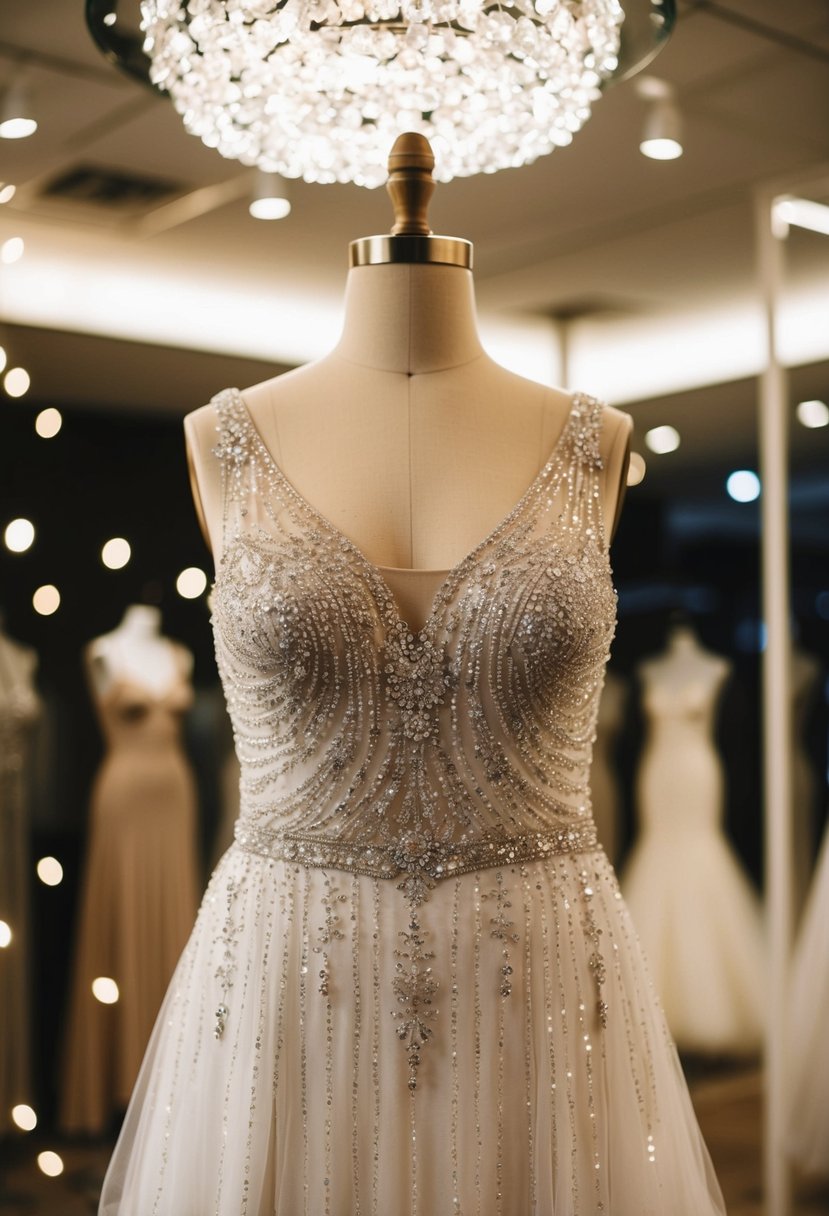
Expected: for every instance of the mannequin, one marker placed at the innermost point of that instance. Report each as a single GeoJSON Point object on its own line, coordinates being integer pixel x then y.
{"type": "Point", "coordinates": [301, 1061]}
{"type": "Point", "coordinates": [140, 885]}
{"type": "Point", "coordinates": [19, 710]}
{"type": "Point", "coordinates": [137, 651]}
{"type": "Point", "coordinates": [697, 914]}
{"type": "Point", "coordinates": [407, 436]}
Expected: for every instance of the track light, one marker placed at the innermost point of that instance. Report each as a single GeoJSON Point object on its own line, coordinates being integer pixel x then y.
{"type": "Point", "coordinates": [270, 197]}
{"type": "Point", "coordinates": [662, 133]}
{"type": "Point", "coordinates": [801, 213]}
{"type": "Point", "coordinates": [16, 120]}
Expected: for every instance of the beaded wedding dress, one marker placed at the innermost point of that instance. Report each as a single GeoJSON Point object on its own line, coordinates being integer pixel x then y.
{"type": "Point", "coordinates": [412, 986]}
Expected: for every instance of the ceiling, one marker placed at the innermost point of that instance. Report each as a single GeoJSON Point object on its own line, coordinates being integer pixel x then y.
{"type": "Point", "coordinates": [593, 231]}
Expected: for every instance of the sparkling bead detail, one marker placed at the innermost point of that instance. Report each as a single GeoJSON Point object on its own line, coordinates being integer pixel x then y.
{"type": "Point", "coordinates": [414, 756]}
{"type": "Point", "coordinates": [417, 681]}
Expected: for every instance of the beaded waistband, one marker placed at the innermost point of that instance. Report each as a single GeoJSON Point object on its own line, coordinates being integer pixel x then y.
{"type": "Point", "coordinates": [416, 853]}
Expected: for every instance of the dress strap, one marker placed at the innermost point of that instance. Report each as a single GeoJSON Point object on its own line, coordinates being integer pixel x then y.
{"type": "Point", "coordinates": [585, 490]}
{"type": "Point", "coordinates": [588, 431]}
{"type": "Point", "coordinates": [234, 451]}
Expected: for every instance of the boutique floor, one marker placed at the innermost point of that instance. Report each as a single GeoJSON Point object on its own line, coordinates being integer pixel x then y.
{"type": "Point", "coordinates": [728, 1102]}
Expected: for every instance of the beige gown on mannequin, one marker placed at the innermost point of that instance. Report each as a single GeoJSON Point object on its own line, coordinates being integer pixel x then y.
{"type": "Point", "coordinates": [139, 888]}
{"type": "Point", "coordinates": [412, 986]}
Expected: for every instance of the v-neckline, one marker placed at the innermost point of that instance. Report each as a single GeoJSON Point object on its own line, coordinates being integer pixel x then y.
{"type": "Point", "coordinates": [394, 620]}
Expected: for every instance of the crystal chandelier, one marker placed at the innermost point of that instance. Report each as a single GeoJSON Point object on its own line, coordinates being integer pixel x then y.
{"type": "Point", "coordinates": [319, 89]}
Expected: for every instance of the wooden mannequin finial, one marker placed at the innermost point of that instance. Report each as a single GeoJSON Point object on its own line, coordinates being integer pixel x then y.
{"type": "Point", "coordinates": [410, 188]}
{"type": "Point", "coordinates": [410, 184]}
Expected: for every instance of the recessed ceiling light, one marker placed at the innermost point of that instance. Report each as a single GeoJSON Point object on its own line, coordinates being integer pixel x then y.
{"type": "Point", "coordinates": [270, 198]}
{"type": "Point", "coordinates": [662, 439]}
{"type": "Point", "coordinates": [662, 132]}
{"type": "Point", "coordinates": [105, 990]}
{"type": "Point", "coordinates": [24, 1117]}
{"type": "Point", "coordinates": [16, 119]}
{"type": "Point", "coordinates": [19, 535]}
{"type": "Point", "coordinates": [743, 485]}
{"type": "Point", "coordinates": [16, 381]}
{"type": "Point", "coordinates": [48, 422]}
{"type": "Point", "coordinates": [11, 250]}
{"type": "Point", "coordinates": [813, 414]}
{"type": "Point", "coordinates": [191, 583]}
{"type": "Point", "coordinates": [50, 871]}
{"type": "Point", "coordinates": [50, 1164]}
{"type": "Point", "coordinates": [46, 600]}
{"type": "Point", "coordinates": [116, 553]}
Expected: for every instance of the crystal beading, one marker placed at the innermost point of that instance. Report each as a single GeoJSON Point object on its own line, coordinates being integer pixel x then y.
{"type": "Point", "coordinates": [416, 855]}
{"type": "Point", "coordinates": [409, 756]}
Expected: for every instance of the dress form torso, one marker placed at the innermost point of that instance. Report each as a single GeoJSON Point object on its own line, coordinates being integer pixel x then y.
{"type": "Point", "coordinates": [136, 652]}
{"type": "Point", "coordinates": [407, 437]}
{"type": "Point", "coordinates": [681, 691]}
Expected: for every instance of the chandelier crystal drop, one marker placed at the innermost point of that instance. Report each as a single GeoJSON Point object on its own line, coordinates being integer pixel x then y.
{"type": "Point", "coordinates": [319, 89]}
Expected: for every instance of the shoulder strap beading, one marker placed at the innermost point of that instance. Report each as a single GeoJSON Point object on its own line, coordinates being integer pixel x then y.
{"type": "Point", "coordinates": [588, 431]}
{"type": "Point", "coordinates": [233, 448]}
{"type": "Point", "coordinates": [233, 451]}
{"type": "Point", "coordinates": [585, 488]}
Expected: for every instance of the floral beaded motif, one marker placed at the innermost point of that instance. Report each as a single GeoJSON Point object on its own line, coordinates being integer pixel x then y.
{"type": "Point", "coordinates": [417, 681]}
{"type": "Point", "coordinates": [367, 747]}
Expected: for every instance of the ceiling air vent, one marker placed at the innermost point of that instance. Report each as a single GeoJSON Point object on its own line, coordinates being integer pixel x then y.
{"type": "Point", "coordinates": [111, 188]}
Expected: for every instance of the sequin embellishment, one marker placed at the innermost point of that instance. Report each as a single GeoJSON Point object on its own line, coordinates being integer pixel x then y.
{"type": "Point", "coordinates": [416, 757]}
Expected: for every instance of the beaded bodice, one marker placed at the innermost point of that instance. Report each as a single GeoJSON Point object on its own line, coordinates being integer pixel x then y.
{"type": "Point", "coordinates": [368, 747]}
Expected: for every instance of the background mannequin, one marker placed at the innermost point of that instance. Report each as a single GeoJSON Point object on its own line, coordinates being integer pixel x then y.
{"type": "Point", "coordinates": [697, 914]}
{"type": "Point", "coordinates": [19, 709]}
{"type": "Point", "coordinates": [136, 651]}
{"type": "Point", "coordinates": [140, 887]}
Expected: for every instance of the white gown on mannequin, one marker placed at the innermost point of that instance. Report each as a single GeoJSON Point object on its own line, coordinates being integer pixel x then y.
{"type": "Point", "coordinates": [412, 986]}
{"type": "Point", "coordinates": [809, 1001]}
{"type": "Point", "coordinates": [697, 915]}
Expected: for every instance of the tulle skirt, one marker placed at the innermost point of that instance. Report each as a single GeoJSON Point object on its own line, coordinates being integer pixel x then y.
{"type": "Point", "coordinates": [525, 1103]}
